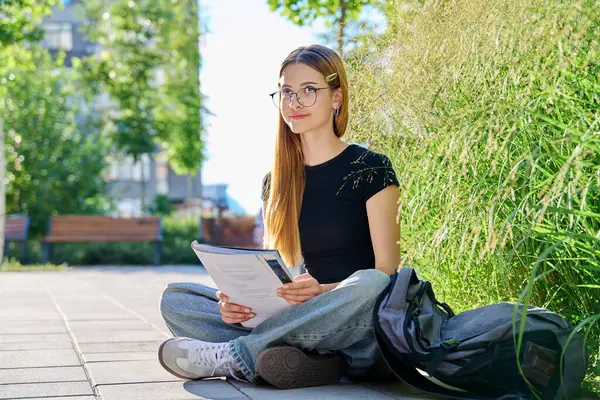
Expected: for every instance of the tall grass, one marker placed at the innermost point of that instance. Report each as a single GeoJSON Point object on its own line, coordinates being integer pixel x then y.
{"type": "Point", "coordinates": [490, 112]}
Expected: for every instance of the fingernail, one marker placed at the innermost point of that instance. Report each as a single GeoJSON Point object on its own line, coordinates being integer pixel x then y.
{"type": "Point", "coordinates": [252, 315]}
{"type": "Point", "coordinates": [247, 310]}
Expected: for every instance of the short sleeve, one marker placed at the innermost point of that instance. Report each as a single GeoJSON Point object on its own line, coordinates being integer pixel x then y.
{"type": "Point", "coordinates": [264, 193]}
{"type": "Point", "coordinates": [376, 174]}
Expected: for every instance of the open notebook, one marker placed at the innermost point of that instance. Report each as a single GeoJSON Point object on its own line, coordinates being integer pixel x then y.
{"type": "Point", "coordinates": [249, 277]}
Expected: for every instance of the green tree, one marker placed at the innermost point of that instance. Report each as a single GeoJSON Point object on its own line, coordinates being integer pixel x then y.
{"type": "Point", "coordinates": [180, 111]}
{"type": "Point", "coordinates": [19, 22]}
{"type": "Point", "coordinates": [53, 165]}
{"type": "Point", "coordinates": [126, 69]}
{"type": "Point", "coordinates": [150, 69]}
{"type": "Point", "coordinates": [161, 205]}
{"type": "Point", "coordinates": [336, 13]}
{"type": "Point", "coordinates": [20, 19]}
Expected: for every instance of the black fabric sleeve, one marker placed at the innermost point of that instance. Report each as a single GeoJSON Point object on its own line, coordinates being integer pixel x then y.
{"type": "Point", "coordinates": [376, 174]}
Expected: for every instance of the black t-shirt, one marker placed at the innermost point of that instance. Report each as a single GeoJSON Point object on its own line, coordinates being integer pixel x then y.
{"type": "Point", "coordinates": [334, 228]}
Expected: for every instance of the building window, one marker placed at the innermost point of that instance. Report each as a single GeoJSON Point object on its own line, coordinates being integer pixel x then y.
{"type": "Point", "coordinates": [126, 170]}
{"type": "Point", "coordinates": [58, 36]}
{"type": "Point", "coordinates": [162, 175]}
{"type": "Point", "coordinates": [128, 207]}
{"type": "Point", "coordinates": [141, 169]}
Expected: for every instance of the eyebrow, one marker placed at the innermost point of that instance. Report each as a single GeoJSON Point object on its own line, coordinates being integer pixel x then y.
{"type": "Point", "coordinates": [302, 84]}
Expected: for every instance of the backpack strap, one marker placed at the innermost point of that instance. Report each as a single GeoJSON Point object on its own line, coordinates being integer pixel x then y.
{"type": "Point", "coordinates": [414, 378]}
{"type": "Point", "coordinates": [446, 347]}
{"type": "Point", "coordinates": [397, 298]}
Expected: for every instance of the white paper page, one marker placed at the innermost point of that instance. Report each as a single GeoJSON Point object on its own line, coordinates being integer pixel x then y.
{"type": "Point", "coordinates": [248, 281]}
{"type": "Point", "coordinates": [202, 249]}
{"type": "Point", "coordinates": [207, 248]}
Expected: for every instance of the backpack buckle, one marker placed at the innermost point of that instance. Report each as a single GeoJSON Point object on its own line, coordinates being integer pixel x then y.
{"type": "Point", "coordinates": [449, 345]}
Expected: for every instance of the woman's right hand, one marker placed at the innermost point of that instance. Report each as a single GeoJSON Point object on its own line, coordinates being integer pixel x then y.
{"type": "Point", "coordinates": [233, 313]}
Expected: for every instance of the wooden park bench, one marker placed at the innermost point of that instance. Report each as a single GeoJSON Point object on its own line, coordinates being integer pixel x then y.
{"type": "Point", "coordinates": [15, 230]}
{"type": "Point", "coordinates": [93, 229]}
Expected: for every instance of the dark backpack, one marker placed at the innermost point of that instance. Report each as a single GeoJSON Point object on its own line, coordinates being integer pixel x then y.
{"type": "Point", "coordinates": [475, 352]}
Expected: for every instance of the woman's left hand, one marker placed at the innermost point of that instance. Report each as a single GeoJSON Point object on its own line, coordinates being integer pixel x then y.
{"type": "Point", "coordinates": [304, 288]}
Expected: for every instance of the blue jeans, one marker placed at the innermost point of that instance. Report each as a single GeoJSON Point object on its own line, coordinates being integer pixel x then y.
{"type": "Point", "coordinates": [340, 320]}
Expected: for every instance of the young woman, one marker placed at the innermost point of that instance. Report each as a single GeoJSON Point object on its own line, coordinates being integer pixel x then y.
{"type": "Point", "coordinates": [326, 203]}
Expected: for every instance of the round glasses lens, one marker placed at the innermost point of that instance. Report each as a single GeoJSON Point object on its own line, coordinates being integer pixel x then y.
{"type": "Point", "coordinates": [281, 100]}
{"type": "Point", "coordinates": [275, 98]}
{"type": "Point", "coordinates": [285, 99]}
{"type": "Point", "coordinates": [307, 97]}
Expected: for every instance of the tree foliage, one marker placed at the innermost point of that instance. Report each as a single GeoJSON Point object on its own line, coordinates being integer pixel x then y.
{"type": "Point", "coordinates": [54, 162]}
{"type": "Point", "coordinates": [126, 69]}
{"type": "Point", "coordinates": [180, 111]}
{"type": "Point", "coordinates": [336, 13]}
{"type": "Point", "coordinates": [45, 146]}
{"type": "Point", "coordinates": [150, 69]}
{"type": "Point", "coordinates": [19, 20]}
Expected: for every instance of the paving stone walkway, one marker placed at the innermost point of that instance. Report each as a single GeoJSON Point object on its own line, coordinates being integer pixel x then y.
{"type": "Point", "coordinates": [93, 333]}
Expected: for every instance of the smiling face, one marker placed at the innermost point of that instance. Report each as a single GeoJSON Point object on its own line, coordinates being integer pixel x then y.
{"type": "Point", "coordinates": [310, 85]}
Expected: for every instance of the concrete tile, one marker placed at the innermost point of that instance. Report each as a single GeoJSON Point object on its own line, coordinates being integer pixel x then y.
{"type": "Point", "coordinates": [22, 294]}
{"type": "Point", "coordinates": [119, 347]}
{"type": "Point", "coordinates": [216, 389]}
{"type": "Point", "coordinates": [45, 390]}
{"type": "Point", "coordinates": [97, 316]}
{"type": "Point", "coordinates": [119, 336]}
{"type": "Point", "coordinates": [46, 338]}
{"type": "Point", "coordinates": [30, 314]}
{"type": "Point", "coordinates": [30, 327]}
{"type": "Point", "coordinates": [98, 305]}
{"type": "Point", "coordinates": [27, 302]}
{"type": "Point", "coordinates": [64, 398]}
{"type": "Point", "coordinates": [76, 297]}
{"type": "Point", "coordinates": [400, 390]}
{"type": "Point", "coordinates": [49, 374]}
{"type": "Point", "coordinates": [331, 392]}
{"type": "Point", "coordinates": [82, 326]}
{"type": "Point", "coordinates": [38, 358]}
{"type": "Point", "coordinates": [128, 372]}
{"type": "Point", "coordinates": [159, 322]}
{"type": "Point", "coordinates": [123, 356]}
{"type": "Point", "coordinates": [35, 345]}
{"type": "Point", "coordinates": [145, 309]}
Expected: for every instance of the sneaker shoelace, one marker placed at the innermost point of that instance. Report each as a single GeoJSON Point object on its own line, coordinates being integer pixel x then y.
{"type": "Point", "coordinates": [216, 355]}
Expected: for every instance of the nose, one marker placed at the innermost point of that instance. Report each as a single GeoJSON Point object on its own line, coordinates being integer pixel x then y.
{"type": "Point", "coordinates": [294, 103]}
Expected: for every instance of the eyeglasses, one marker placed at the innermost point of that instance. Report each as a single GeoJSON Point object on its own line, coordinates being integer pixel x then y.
{"type": "Point", "coordinates": [306, 97]}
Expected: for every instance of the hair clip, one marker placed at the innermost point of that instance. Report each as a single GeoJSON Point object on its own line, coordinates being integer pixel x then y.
{"type": "Point", "coordinates": [331, 77]}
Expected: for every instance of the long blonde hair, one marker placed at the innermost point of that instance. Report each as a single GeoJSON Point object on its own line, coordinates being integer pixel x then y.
{"type": "Point", "coordinates": [284, 196]}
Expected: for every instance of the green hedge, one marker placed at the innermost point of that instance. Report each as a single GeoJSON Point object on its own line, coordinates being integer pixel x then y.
{"type": "Point", "coordinates": [178, 233]}
{"type": "Point", "coordinates": [490, 112]}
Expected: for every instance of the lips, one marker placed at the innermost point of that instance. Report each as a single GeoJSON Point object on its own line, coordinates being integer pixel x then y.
{"type": "Point", "coordinates": [298, 116]}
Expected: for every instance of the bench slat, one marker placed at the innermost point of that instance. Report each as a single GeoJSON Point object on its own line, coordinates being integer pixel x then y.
{"type": "Point", "coordinates": [86, 226]}
{"type": "Point", "coordinates": [99, 238]}
{"type": "Point", "coordinates": [104, 229]}
{"type": "Point", "coordinates": [15, 227]}
{"type": "Point", "coordinates": [93, 229]}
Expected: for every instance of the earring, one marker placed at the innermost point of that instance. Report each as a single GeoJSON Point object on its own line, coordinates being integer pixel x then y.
{"type": "Point", "coordinates": [337, 111]}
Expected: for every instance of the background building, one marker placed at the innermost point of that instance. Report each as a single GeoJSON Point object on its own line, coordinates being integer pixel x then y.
{"type": "Point", "coordinates": [130, 185]}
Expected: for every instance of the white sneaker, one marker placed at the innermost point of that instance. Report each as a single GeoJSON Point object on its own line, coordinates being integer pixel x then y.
{"type": "Point", "coordinates": [194, 359]}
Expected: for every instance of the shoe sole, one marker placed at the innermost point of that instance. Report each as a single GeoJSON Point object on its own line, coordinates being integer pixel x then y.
{"type": "Point", "coordinates": [160, 360]}
{"type": "Point", "coordinates": [289, 367]}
